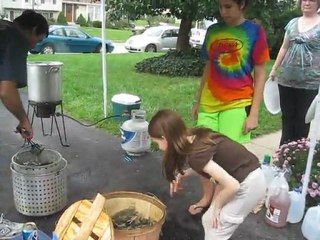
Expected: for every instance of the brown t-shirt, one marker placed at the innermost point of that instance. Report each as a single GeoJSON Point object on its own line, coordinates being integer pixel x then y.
{"type": "Point", "coordinates": [234, 158]}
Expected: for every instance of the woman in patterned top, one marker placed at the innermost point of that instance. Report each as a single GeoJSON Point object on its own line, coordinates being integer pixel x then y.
{"type": "Point", "coordinates": [235, 172]}
{"type": "Point", "coordinates": [229, 97]}
{"type": "Point", "coordinates": [299, 75]}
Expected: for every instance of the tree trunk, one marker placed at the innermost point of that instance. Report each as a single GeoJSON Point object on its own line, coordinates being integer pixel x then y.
{"type": "Point", "coordinates": [184, 34]}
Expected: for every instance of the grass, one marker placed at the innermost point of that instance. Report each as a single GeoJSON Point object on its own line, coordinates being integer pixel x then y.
{"type": "Point", "coordinates": [82, 89]}
{"type": "Point", "coordinates": [114, 35]}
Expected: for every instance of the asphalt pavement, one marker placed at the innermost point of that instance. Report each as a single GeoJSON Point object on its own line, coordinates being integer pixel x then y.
{"type": "Point", "coordinates": [96, 163]}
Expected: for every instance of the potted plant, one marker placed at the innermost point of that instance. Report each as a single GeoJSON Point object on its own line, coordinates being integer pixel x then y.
{"type": "Point", "coordinates": [293, 158]}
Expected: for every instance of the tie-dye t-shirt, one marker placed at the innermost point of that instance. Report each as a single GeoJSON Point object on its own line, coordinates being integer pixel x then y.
{"type": "Point", "coordinates": [232, 53]}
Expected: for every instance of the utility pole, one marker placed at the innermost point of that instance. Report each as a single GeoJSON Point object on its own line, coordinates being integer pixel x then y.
{"type": "Point", "coordinates": [32, 4]}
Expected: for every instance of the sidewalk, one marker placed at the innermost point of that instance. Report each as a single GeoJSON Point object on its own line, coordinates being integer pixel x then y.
{"type": "Point", "coordinates": [266, 144]}
{"type": "Point", "coordinates": [96, 164]}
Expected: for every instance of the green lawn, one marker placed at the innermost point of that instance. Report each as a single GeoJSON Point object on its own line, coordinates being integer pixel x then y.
{"type": "Point", "coordinates": [114, 35]}
{"type": "Point", "coordinates": [82, 89]}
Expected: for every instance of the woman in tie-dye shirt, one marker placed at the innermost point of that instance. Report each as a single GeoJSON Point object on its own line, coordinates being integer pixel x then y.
{"type": "Point", "coordinates": [230, 93]}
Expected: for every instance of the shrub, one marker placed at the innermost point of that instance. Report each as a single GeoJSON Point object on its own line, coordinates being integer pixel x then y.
{"type": "Point", "coordinates": [81, 21]}
{"type": "Point", "coordinates": [62, 19]}
{"type": "Point", "coordinates": [173, 63]}
{"type": "Point", "coordinates": [97, 24]}
{"type": "Point", "coordinates": [293, 157]}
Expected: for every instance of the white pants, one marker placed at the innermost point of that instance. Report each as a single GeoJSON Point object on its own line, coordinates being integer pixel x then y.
{"type": "Point", "coordinates": [252, 191]}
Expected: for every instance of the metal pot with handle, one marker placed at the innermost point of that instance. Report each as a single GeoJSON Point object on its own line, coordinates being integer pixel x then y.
{"type": "Point", "coordinates": [44, 81]}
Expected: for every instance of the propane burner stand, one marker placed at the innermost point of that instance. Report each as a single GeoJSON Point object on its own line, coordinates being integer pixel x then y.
{"type": "Point", "coordinates": [48, 110]}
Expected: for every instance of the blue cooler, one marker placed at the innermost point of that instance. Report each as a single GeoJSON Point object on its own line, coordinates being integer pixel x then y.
{"type": "Point", "coordinates": [123, 104]}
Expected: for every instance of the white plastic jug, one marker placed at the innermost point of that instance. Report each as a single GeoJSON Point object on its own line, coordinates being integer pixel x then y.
{"type": "Point", "coordinates": [278, 182]}
{"type": "Point", "coordinates": [297, 206]}
{"type": "Point", "coordinates": [311, 224]}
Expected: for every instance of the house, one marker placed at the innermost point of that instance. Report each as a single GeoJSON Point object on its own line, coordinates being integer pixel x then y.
{"type": "Point", "coordinates": [11, 9]}
{"type": "Point", "coordinates": [50, 9]}
{"type": "Point", "coordinates": [88, 8]}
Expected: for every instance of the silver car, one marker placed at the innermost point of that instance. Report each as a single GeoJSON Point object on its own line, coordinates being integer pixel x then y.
{"type": "Point", "coordinates": [154, 39]}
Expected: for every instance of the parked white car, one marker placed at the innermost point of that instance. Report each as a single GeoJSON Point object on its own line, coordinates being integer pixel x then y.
{"type": "Point", "coordinates": [198, 33]}
{"type": "Point", "coordinates": [154, 39]}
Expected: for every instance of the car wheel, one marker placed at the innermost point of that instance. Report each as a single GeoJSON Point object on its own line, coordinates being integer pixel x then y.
{"type": "Point", "coordinates": [47, 49]}
{"type": "Point", "coordinates": [98, 48]}
{"type": "Point", "coordinates": [151, 48]}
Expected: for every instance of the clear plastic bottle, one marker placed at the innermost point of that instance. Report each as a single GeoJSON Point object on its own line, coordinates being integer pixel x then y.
{"type": "Point", "coordinates": [311, 224]}
{"type": "Point", "coordinates": [277, 211]}
{"type": "Point", "coordinates": [278, 181]}
{"type": "Point", "coordinates": [297, 206]}
{"type": "Point", "coordinates": [267, 169]}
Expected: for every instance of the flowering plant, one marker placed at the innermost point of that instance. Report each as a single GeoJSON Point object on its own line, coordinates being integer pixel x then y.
{"type": "Point", "coordinates": [293, 157]}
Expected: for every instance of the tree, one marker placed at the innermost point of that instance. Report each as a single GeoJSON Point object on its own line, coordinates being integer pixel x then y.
{"type": "Point", "coordinates": [186, 10]}
{"type": "Point", "coordinates": [62, 19]}
{"type": "Point", "coordinates": [266, 11]}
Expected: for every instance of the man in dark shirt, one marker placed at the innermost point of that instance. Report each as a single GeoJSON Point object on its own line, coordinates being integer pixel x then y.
{"type": "Point", "coordinates": [16, 39]}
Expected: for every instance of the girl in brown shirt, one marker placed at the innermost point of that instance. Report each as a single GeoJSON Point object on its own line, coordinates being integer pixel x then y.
{"type": "Point", "coordinates": [235, 172]}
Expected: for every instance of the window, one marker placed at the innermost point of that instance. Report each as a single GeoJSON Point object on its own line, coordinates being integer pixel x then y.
{"type": "Point", "coordinates": [175, 32]}
{"type": "Point", "coordinates": [58, 32]}
{"type": "Point", "coordinates": [54, 1]}
{"type": "Point", "coordinates": [26, 1]}
{"type": "Point", "coordinates": [75, 33]}
{"type": "Point", "coordinates": [11, 15]}
{"type": "Point", "coordinates": [51, 15]}
{"type": "Point", "coordinates": [42, 1]}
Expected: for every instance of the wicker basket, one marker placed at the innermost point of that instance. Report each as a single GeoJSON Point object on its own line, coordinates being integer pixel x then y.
{"type": "Point", "coordinates": [148, 206]}
{"type": "Point", "coordinates": [40, 194]}
{"type": "Point", "coordinates": [85, 220]}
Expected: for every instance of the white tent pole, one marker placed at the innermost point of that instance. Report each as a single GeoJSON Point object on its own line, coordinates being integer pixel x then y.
{"type": "Point", "coordinates": [313, 142]}
{"type": "Point", "coordinates": [103, 53]}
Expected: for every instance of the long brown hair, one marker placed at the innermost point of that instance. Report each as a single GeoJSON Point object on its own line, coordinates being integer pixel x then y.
{"type": "Point", "coordinates": [169, 125]}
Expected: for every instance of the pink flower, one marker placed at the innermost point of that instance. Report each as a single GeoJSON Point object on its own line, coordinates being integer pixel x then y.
{"type": "Point", "coordinates": [313, 194]}
{"type": "Point", "coordinates": [288, 159]}
{"type": "Point", "coordinates": [292, 143]}
{"type": "Point", "coordinates": [314, 185]}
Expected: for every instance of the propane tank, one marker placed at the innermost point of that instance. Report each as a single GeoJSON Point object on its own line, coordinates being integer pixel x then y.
{"type": "Point", "coordinates": [134, 133]}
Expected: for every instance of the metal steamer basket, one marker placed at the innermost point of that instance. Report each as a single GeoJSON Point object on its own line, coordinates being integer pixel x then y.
{"type": "Point", "coordinates": [39, 189]}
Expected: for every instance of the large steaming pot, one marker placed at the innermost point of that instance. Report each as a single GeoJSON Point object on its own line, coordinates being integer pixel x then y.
{"type": "Point", "coordinates": [44, 81]}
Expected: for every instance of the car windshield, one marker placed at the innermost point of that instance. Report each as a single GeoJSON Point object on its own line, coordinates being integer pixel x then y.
{"type": "Point", "coordinates": [153, 32]}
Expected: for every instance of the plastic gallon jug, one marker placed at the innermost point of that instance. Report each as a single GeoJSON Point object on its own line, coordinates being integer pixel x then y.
{"type": "Point", "coordinates": [297, 205]}
{"type": "Point", "coordinates": [134, 133]}
{"type": "Point", "coordinates": [279, 181]}
{"type": "Point", "coordinates": [277, 211]}
{"type": "Point", "coordinates": [311, 224]}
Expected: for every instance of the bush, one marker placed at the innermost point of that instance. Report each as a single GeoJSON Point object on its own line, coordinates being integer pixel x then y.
{"type": "Point", "coordinates": [97, 24]}
{"type": "Point", "coordinates": [81, 21]}
{"type": "Point", "coordinates": [275, 31]}
{"type": "Point", "coordinates": [173, 63]}
{"type": "Point", "coordinates": [120, 24]}
{"type": "Point", "coordinates": [156, 20]}
{"type": "Point", "coordinates": [62, 19]}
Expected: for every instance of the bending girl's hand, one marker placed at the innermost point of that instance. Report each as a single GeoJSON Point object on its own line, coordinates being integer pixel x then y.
{"type": "Point", "coordinates": [216, 218]}
{"type": "Point", "coordinates": [250, 124]}
{"type": "Point", "coordinates": [175, 185]}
